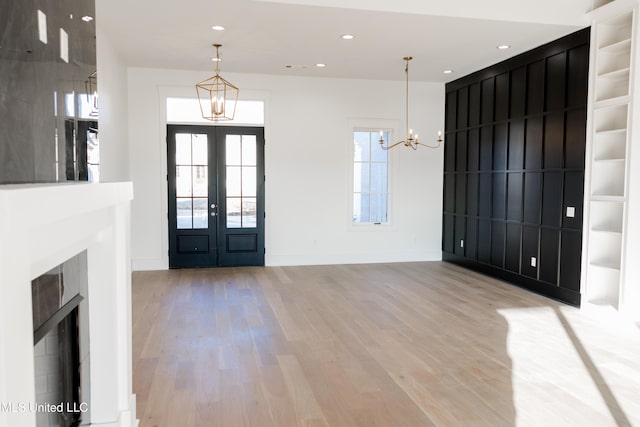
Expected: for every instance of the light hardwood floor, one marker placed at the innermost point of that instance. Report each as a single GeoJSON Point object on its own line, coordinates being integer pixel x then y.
{"type": "Point", "coordinates": [411, 344]}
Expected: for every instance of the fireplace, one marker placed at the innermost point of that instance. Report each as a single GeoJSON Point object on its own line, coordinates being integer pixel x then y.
{"type": "Point", "coordinates": [59, 354]}
{"type": "Point", "coordinates": [65, 305]}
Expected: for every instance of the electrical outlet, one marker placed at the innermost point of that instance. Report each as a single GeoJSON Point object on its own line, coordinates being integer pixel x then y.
{"type": "Point", "coordinates": [534, 261]}
{"type": "Point", "coordinates": [571, 212]}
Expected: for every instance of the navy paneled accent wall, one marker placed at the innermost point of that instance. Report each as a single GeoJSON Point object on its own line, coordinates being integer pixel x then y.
{"type": "Point", "coordinates": [514, 168]}
{"type": "Point", "coordinates": [47, 52]}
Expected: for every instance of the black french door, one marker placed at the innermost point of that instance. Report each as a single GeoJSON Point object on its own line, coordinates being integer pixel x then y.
{"type": "Point", "coordinates": [216, 195]}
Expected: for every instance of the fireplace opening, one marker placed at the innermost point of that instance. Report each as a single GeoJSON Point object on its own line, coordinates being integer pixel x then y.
{"type": "Point", "coordinates": [57, 303]}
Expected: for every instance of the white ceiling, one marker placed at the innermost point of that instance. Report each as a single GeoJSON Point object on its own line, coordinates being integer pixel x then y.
{"type": "Point", "coordinates": [264, 36]}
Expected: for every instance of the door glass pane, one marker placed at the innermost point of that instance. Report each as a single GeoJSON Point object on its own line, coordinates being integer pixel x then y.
{"type": "Point", "coordinates": [249, 181]}
{"type": "Point", "coordinates": [200, 181]}
{"type": "Point", "coordinates": [200, 150]}
{"type": "Point", "coordinates": [249, 150]}
{"type": "Point", "coordinates": [249, 214]}
{"type": "Point", "coordinates": [234, 181]}
{"type": "Point", "coordinates": [183, 214]}
{"type": "Point", "coordinates": [234, 212]}
{"type": "Point", "coordinates": [183, 149]}
{"type": "Point", "coordinates": [183, 181]}
{"type": "Point", "coordinates": [233, 150]}
{"type": "Point", "coordinates": [192, 181]}
{"type": "Point", "coordinates": [200, 217]}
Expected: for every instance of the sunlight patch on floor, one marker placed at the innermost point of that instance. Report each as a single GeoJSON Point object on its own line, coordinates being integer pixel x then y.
{"type": "Point", "coordinates": [558, 376]}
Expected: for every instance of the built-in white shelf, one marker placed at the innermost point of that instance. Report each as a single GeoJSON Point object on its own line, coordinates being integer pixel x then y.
{"type": "Point", "coordinates": [608, 143]}
{"type": "Point", "coordinates": [611, 145]}
{"type": "Point", "coordinates": [608, 178]}
{"type": "Point", "coordinates": [606, 216]}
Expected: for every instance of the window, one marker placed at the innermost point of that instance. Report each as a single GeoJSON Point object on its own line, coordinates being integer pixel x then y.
{"type": "Point", "coordinates": [370, 177]}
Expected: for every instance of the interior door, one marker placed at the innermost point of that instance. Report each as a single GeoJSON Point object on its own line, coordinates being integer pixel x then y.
{"type": "Point", "coordinates": [216, 195]}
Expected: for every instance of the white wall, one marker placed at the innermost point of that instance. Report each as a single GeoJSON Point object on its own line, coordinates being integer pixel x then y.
{"type": "Point", "coordinates": [112, 103]}
{"type": "Point", "coordinates": [308, 167]}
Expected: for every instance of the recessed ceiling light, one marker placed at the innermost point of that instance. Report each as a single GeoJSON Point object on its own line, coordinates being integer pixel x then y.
{"type": "Point", "coordinates": [503, 46]}
{"type": "Point", "coordinates": [87, 18]}
{"type": "Point", "coordinates": [215, 59]}
{"type": "Point", "coordinates": [217, 27]}
{"type": "Point", "coordinates": [321, 65]}
{"type": "Point", "coordinates": [348, 37]}
{"type": "Point", "coordinates": [448, 71]}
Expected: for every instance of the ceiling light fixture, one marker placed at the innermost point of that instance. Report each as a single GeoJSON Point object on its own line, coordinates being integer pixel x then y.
{"type": "Point", "coordinates": [503, 46]}
{"type": "Point", "coordinates": [321, 65]}
{"type": "Point", "coordinates": [87, 18]}
{"type": "Point", "coordinates": [447, 71]}
{"type": "Point", "coordinates": [217, 27]}
{"type": "Point", "coordinates": [348, 37]}
{"type": "Point", "coordinates": [217, 97]}
{"type": "Point", "coordinates": [411, 139]}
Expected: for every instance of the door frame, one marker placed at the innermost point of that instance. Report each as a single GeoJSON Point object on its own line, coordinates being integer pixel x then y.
{"type": "Point", "coordinates": [160, 258]}
{"type": "Point", "coordinates": [227, 246]}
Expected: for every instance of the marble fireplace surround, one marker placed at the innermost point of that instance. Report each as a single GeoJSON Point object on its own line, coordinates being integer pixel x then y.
{"type": "Point", "coordinates": [41, 226]}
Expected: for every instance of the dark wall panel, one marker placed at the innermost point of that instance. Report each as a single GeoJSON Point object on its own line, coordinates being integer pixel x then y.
{"type": "Point", "coordinates": [486, 148]}
{"type": "Point", "coordinates": [471, 240]}
{"type": "Point", "coordinates": [461, 151]}
{"type": "Point", "coordinates": [463, 108]}
{"type": "Point", "coordinates": [452, 110]}
{"type": "Point", "coordinates": [475, 105]}
{"type": "Point", "coordinates": [449, 193]}
{"type": "Point", "coordinates": [512, 253]}
{"type": "Point", "coordinates": [556, 81]}
{"type": "Point", "coordinates": [516, 144]}
{"type": "Point", "coordinates": [552, 199]}
{"type": "Point", "coordinates": [447, 233]}
{"type": "Point", "coordinates": [532, 197]}
{"type": "Point", "coordinates": [533, 143]}
{"type": "Point", "coordinates": [488, 90]}
{"type": "Point", "coordinates": [571, 247]}
{"type": "Point", "coordinates": [461, 194]}
{"type": "Point", "coordinates": [514, 196]}
{"type": "Point", "coordinates": [535, 87]}
{"type": "Point", "coordinates": [575, 135]}
{"type": "Point", "coordinates": [500, 146]}
{"type": "Point", "coordinates": [515, 161]}
{"type": "Point", "coordinates": [518, 92]}
{"type": "Point", "coordinates": [497, 244]}
{"type": "Point", "coordinates": [473, 150]}
{"type": "Point", "coordinates": [485, 203]}
{"type": "Point", "coordinates": [579, 75]}
{"type": "Point", "coordinates": [499, 196]}
{"type": "Point", "coordinates": [450, 153]}
{"type": "Point", "coordinates": [549, 248]}
{"type": "Point", "coordinates": [484, 240]}
{"type": "Point", "coordinates": [472, 194]}
{"type": "Point", "coordinates": [502, 97]}
{"type": "Point", "coordinates": [530, 236]}
{"type": "Point", "coordinates": [554, 141]}
{"type": "Point", "coordinates": [460, 235]}
{"type": "Point", "coordinates": [573, 199]}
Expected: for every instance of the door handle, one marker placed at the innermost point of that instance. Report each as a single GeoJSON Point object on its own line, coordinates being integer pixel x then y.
{"type": "Point", "coordinates": [213, 214]}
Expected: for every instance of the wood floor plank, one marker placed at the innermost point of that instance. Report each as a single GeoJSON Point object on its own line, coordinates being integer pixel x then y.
{"type": "Point", "coordinates": [410, 344]}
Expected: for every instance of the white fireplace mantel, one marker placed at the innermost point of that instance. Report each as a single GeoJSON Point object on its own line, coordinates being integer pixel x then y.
{"type": "Point", "coordinates": [41, 226]}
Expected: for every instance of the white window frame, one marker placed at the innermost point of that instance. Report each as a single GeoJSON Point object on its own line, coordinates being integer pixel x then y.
{"type": "Point", "coordinates": [372, 125]}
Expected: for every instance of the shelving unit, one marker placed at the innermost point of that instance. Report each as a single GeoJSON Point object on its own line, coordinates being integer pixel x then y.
{"type": "Point", "coordinates": [608, 148]}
